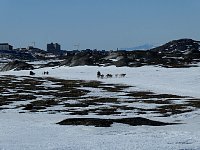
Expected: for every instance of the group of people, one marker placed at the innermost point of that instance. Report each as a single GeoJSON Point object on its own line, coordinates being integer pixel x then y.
{"type": "Point", "coordinates": [46, 72]}
{"type": "Point", "coordinates": [99, 75]}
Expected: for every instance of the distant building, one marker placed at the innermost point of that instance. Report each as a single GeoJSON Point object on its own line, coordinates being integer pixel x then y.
{"type": "Point", "coordinates": [5, 46]}
{"type": "Point", "coordinates": [53, 48]}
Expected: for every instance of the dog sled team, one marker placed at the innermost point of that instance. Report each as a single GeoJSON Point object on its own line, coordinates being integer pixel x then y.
{"type": "Point", "coordinates": [44, 73]}
{"type": "Point", "coordinates": [99, 75]}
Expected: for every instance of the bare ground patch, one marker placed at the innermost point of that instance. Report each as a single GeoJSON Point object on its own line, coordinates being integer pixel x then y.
{"type": "Point", "coordinates": [138, 121]}
{"type": "Point", "coordinates": [74, 98]}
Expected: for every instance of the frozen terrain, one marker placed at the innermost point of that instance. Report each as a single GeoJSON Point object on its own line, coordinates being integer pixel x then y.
{"type": "Point", "coordinates": [38, 130]}
{"type": "Point", "coordinates": [181, 81]}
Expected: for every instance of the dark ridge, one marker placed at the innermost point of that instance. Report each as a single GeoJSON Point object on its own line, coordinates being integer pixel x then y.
{"type": "Point", "coordinates": [97, 122]}
{"type": "Point", "coordinates": [181, 45]}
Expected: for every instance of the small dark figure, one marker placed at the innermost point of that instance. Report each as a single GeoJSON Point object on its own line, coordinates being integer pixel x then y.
{"type": "Point", "coordinates": [122, 75]}
{"type": "Point", "coordinates": [98, 74]}
{"type": "Point", "coordinates": [32, 73]}
{"type": "Point", "coordinates": [101, 76]}
{"type": "Point", "coordinates": [109, 75]}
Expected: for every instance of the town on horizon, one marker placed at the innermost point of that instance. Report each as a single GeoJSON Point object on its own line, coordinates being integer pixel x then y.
{"type": "Point", "coordinates": [53, 48]}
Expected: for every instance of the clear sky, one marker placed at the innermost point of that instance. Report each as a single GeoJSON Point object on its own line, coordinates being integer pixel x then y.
{"type": "Point", "coordinates": [98, 24]}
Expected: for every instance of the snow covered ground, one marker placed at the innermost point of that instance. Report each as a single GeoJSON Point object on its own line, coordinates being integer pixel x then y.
{"type": "Point", "coordinates": [179, 81]}
{"type": "Point", "coordinates": [32, 131]}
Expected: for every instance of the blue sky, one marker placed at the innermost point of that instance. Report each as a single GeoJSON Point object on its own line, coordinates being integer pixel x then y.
{"type": "Point", "coordinates": [98, 24]}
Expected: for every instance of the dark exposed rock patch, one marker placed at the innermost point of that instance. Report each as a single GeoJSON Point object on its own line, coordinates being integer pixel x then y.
{"type": "Point", "coordinates": [17, 65]}
{"type": "Point", "coordinates": [87, 57]}
{"type": "Point", "coordinates": [179, 46]}
{"type": "Point", "coordinates": [138, 121]}
{"type": "Point", "coordinates": [75, 101]}
{"type": "Point", "coordinates": [40, 104]}
{"type": "Point", "coordinates": [178, 53]}
{"type": "Point", "coordinates": [122, 62]}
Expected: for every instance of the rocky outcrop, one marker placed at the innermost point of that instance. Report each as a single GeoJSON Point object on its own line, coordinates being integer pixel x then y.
{"type": "Point", "coordinates": [81, 59]}
{"type": "Point", "coordinates": [176, 53]}
{"type": "Point", "coordinates": [17, 65]}
{"type": "Point", "coordinates": [182, 46]}
{"type": "Point", "coordinates": [87, 57]}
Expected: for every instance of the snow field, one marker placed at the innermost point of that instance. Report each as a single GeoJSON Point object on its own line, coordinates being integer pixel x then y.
{"type": "Point", "coordinates": [38, 131]}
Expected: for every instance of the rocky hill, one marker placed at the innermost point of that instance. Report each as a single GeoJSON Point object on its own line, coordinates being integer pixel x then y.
{"type": "Point", "coordinates": [176, 53]}
{"type": "Point", "coordinates": [17, 65]}
{"type": "Point", "coordinates": [182, 46]}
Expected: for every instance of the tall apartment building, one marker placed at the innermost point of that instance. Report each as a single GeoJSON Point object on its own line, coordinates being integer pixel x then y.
{"type": "Point", "coordinates": [5, 46]}
{"type": "Point", "coordinates": [53, 48]}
